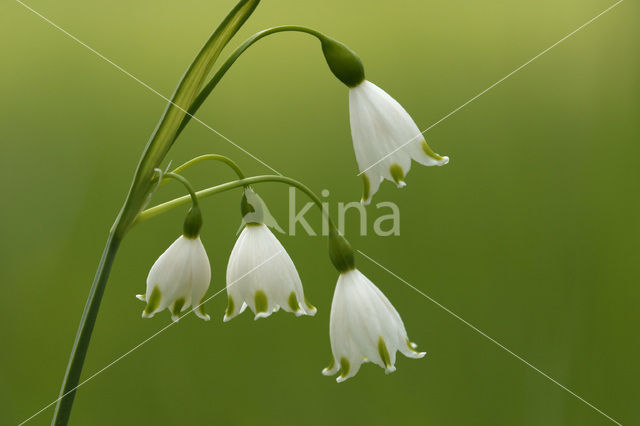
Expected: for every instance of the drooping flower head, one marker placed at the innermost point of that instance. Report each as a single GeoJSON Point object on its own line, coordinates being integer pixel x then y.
{"type": "Point", "coordinates": [180, 277]}
{"type": "Point", "coordinates": [260, 273]}
{"type": "Point", "coordinates": [364, 326]}
{"type": "Point", "coordinates": [385, 137]}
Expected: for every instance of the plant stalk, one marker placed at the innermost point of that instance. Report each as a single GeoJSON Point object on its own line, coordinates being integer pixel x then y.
{"type": "Point", "coordinates": [83, 336]}
{"type": "Point", "coordinates": [206, 91]}
{"type": "Point", "coordinates": [161, 208]}
{"type": "Point", "coordinates": [154, 153]}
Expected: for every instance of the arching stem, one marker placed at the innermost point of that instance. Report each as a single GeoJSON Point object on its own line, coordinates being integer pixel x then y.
{"type": "Point", "coordinates": [161, 208]}
{"type": "Point", "coordinates": [186, 183]}
{"type": "Point", "coordinates": [206, 91]}
{"type": "Point", "coordinates": [154, 153]}
{"type": "Point", "coordinates": [210, 157]}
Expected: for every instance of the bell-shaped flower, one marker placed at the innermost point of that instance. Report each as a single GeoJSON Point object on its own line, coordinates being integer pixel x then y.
{"type": "Point", "coordinates": [178, 280]}
{"type": "Point", "coordinates": [261, 275]}
{"type": "Point", "coordinates": [364, 326]}
{"type": "Point", "coordinates": [385, 138]}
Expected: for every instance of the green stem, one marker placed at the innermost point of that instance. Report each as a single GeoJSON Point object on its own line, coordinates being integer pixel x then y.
{"type": "Point", "coordinates": [161, 208]}
{"type": "Point", "coordinates": [340, 251]}
{"type": "Point", "coordinates": [193, 220]}
{"type": "Point", "coordinates": [83, 335]}
{"type": "Point", "coordinates": [211, 157]}
{"type": "Point", "coordinates": [206, 91]}
{"type": "Point", "coordinates": [155, 151]}
{"type": "Point", "coordinates": [186, 183]}
{"type": "Point", "coordinates": [166, 132]}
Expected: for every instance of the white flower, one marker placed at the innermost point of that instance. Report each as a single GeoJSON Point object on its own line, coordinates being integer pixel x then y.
{"type": "Point", "coordinates": [364, 326]}
{"type": "Point", "coordinates": [261, 275]}
{"type": "Point", "coordinates": [178, 280]}
{"type": "Point", "coordinates": [385, 138]}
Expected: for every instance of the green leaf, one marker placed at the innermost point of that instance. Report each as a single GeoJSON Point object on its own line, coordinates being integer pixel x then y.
{"type": "Point", "coordinates": [185, 93]}
{"type": "Point", "coordinates": [154, 152]}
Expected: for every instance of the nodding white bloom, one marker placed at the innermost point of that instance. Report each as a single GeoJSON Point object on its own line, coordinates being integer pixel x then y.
{"type": "Point", "coordinates": [385, 138]}
{"type": "Point", "coordinates": [364, 326]}
{"type": "Point", "coordinates": [178, 280]}
{"type": "Point", "coordinates": [261, 275]}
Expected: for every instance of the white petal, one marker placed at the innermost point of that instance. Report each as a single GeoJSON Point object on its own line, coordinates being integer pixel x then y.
{"type": "Point", "coordinates": [373, 132]}
{"type": "Point", "coordinates": [180, 274]}
{"type": "Point", "coordinates": [169, 273]}
{"type": "Point", "coordinates": [385, 137]}
{"type": "Point", "coordinates": [371, 184]}
{"type": "Point", "coordinates": [345, 349]}
{"type": "Point", "coordinates": [260, 270]}
{"type": "Point", "coordinates": [200, 277]}
{"type": "Point", "coordinates": [364, 326]}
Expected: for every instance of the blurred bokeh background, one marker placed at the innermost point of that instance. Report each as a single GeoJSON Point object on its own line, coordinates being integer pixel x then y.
{"type": "Point", "coordinates": [530, 233]}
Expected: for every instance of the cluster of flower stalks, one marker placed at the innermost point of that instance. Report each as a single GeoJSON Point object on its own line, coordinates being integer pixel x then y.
{"type": "Point", "coordinates": [364, 326]}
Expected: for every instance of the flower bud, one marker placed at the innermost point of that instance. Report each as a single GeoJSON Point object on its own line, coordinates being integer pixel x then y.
{"type": "Point", "coordinates": [192, 223]}
{"type": "Point", "coordinates": [340, 252]}
{"type": "Point", "coordinates": [343, 62]}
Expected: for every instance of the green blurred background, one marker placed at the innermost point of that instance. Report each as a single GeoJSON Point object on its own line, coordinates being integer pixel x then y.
{"type": "Point", "coordinates": [530, 233]}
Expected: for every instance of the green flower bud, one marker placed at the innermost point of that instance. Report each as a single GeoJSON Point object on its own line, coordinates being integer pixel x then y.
{"type": "Point", "coordinates": [192, 223]}
{"type": "Point", "coordinates": [340, 252]}
{"type": "Point", "coordinates": [343, 62]}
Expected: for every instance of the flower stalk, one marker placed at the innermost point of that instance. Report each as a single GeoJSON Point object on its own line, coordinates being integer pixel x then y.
{"type": "Point", "coordinates": [166, 131]}
{"type": "Point", "coordinates": [156, 149]}
{"type": "Point", "coordinates": [168, 286]}
{"type": "Point", "coordinates": [227, 186]}
{"type": "Point", "coordinates": [340, 251]}
{"type": "Point", "coordinates": [83, 335]}
{"type": "Point", "coordinates": [210, 157]}
{"type": "Point", "coordinates": [336, 54]}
